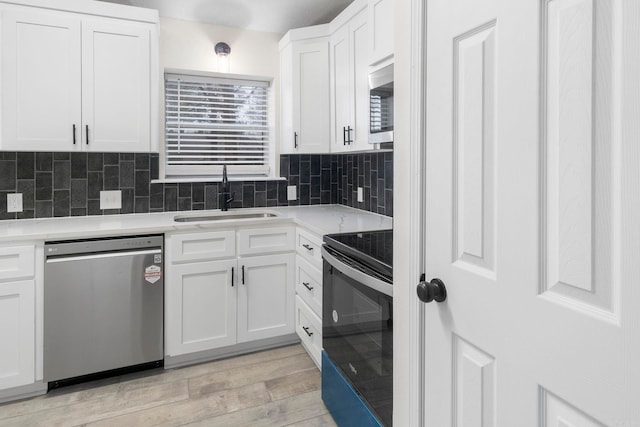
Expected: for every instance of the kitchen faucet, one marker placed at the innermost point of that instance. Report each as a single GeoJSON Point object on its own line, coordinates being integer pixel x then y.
{"type": "Point", "coordinates": [226, 199]}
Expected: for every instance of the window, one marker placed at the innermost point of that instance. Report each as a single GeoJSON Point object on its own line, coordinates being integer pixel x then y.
{"type": "Point", "coordinates": [216, 120]}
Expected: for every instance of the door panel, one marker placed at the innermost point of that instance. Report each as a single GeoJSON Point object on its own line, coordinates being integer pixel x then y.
{"type": "Point", "coordinates": [41, 80]}
{"type": "Point", "coordinates": [116, 86]}
{"type": "Point", "coordinates": [266, 296]}
{"type": "Point", "coordinates": [531, 214]}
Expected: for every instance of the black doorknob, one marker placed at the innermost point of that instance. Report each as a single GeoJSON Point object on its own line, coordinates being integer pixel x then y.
{"type": "Point", "coordinates": [430, 291]}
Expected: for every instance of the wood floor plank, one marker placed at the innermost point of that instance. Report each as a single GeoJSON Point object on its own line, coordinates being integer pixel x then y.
{"type": "Point", "coordinates": [280, 413]}
{"type": "Point", "coordinates": [221, 365]}
{"type": "Point", "coordinates": [291, 385]}
{"type": "Point", "coordinates": [114, 404]}
{"type": "Point", "coordinates": [237, 377]}
{"type": "Point", "coordinates": [322, 421]}
{"type": "Point", "coordinates": [194, 409]}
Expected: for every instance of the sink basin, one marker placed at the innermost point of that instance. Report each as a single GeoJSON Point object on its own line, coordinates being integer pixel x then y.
{"type": "Point", "coordinates": [224, 216]}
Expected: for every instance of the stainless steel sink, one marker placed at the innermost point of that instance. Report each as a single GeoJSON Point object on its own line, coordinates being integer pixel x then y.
{"type": "Point", "coordinates": [224, 216]}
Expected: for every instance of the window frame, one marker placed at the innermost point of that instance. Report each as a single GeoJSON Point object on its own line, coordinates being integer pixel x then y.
{"type": "Point", "coordinates": [214, 172]}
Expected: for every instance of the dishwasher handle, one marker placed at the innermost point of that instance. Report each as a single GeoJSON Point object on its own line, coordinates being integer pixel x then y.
{"type": "Point", "coordinates": [75, 257]}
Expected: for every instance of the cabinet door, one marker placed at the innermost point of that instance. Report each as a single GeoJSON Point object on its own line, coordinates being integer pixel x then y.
{"type": "Point", "coordinates": [200, 306]}
{"type": "Point", "coordinates": [340, 89]}
{"type": "Point", "coordinates": [17, 333]}
{"type": "Point", "coordinates": [350, 87]}
{"type": "Point", "coordinates": [41, 81]}
{"type": "Point", "coordinates": [382, 28]}
{"type": "Point", "coordinates": [116, 103]}
{"type": "Point", "coordinates": [266, 297]}
{"type": "Point", "coordinates": [359, 43]}
{"type": "Point", "coordinates": [310, 97]}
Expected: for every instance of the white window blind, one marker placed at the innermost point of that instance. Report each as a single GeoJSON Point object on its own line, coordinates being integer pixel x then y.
{"type": "Point", "coordinates": [215, 121]}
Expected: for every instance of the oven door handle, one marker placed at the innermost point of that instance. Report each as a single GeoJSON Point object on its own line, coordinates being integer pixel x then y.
{"type": "Point", "coordinates": [357, 275]}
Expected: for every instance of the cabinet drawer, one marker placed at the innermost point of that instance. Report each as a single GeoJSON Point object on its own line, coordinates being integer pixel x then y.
{"type": "Point", "coordinates": [309, 329]}
{"type": "Point", "coordinates": [308, 245]}
{"type": "Point", "coordinates": [309, 284]}
{"type": "Point", "coordinates": [259, 241]}
{"type": "Point", "coordinates": [202, 246]}
{"type": "Point", "coordinates": [17, 262]}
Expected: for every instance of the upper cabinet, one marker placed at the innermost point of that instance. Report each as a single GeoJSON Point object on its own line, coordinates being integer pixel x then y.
{"type": "Point", "coordinates": [381, 34]}
{"type": "Point", "coordinates": [324, 79]}
{"type": "Point", "coordinates": [304, 96]}
{"type": "Point", "coordinates": [73, 82]}
{"type": "Point", "coordinates": [349, 85]}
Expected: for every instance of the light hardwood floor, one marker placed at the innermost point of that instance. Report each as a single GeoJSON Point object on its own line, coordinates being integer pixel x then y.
{"type": "Point", "coordinates": [279, 387]}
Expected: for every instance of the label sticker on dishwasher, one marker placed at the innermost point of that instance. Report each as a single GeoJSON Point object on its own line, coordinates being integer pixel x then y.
{"type": "Point", "coordinates": [152, 274]}
{"type": "Point", "coordinates": [157, 258]}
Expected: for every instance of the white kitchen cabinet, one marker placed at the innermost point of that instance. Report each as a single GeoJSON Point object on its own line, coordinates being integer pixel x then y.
{"type": "Point", "coordinates": [309, 329]}
{"type": "Point", "coordinates": [309, 284]}
{"type": "Point", "coordinates": [309, 292]}
{"type": "Point", "coordinates": [116, 87]}
{"type": "Point", "coordinates": [17, 333]}
{"type": "Point", "coordinates": [349, 62]}
{"type": "Point", "coordinates": [200, 306]}
{"type": "Point", "coordinates": [227, 287]}
{"type": "Point", "coordinates": [17, 316]}
{"type": "Point", "coordinates": [304, 96]}
{"type": "Point", "coordinates": [266, 296]}
{"type": "Point", "coordinates": [381, 25]}
{"type": "Point", "coordinates": [72, 82]}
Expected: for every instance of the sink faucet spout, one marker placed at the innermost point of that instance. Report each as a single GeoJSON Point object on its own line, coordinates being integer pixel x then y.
{"type": "Point", "coordinates": [226, 199]}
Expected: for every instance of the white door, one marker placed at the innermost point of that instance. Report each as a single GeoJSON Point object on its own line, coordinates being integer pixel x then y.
{"type": "Point", "coordinates": [116, 103]}
{"type": "Point", "coordinates": [266, 296]}
{"type": "Point", "coordinates": [533, 213]}
{"type": "Point", "coordinates": [41, 81]}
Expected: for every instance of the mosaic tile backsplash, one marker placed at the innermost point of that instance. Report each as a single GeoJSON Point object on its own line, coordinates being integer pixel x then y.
{"type": "Point", "coordinates": [69, 184]}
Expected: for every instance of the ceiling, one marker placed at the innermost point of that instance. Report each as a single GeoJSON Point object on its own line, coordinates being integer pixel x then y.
{"type": "Point", "coordinates": [277, 16]}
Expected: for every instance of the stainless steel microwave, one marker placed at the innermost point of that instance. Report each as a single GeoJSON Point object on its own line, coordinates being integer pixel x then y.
{"type": "Point", "coordinates": [381, 105]}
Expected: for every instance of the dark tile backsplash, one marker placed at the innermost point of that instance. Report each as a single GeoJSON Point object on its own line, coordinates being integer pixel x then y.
{"type": "Point", "coordinates": [69, 184]}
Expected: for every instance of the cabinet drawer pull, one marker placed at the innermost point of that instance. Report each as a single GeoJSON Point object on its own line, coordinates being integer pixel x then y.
{"type": "Point", "coordinates": [306, 285]}
{"type": "Point", "coordinates": [344, 135]}
{"type": "Point", "coordinates": [87, 132]}
{"type": "Point", "coordinates": [232, 274]}
{"type": "Point", "coordinates": [74, 134]}
{"type": "Point", "coordinates": [243, 274]}
{"type": "Point", "coordinates": [295, 140]}
{"type": "Point", "coordinates": [307, 247]}
{"type": "Point", "coordinates": [306, 329]}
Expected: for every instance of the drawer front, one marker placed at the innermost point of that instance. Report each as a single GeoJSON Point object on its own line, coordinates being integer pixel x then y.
{"type": "Point", "coordinates": [202, 246]}
{"type": "Point", "coordinates": [308, 245]}
{"type": "Point", "coordinates": [309, 284]}
{"type": "Point", "coordinates": [17, 262]}
{"type": "Point", "coordinates": [260, 241]}
{"type": "Point", "coordinates": [309, 329]}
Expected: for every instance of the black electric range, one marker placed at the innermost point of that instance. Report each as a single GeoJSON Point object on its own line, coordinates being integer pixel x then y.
{"type": "Point", "coordinates": [357, 327]}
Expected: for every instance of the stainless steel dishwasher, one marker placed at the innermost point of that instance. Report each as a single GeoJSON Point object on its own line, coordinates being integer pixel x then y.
{"type": "Point", "coordinates": [103, 306]}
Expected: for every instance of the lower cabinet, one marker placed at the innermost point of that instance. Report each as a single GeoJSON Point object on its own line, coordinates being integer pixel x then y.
{"type": "Point", "coordinates": [309, 292]}
{"type": "Point", "coordinates": [221, 302]}
{"type": "Point", "coordinates": [309, 329]}
{"type": "Point", "coordinates": [17, 333]}
{"type": "Point", "coordinates": [201, 300]}
{"type": "Point", "coordinates": [266, 297]}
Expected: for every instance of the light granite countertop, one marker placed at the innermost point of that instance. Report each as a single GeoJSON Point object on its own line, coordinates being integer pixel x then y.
{"type": "Point", "coordinates": [321, 219]}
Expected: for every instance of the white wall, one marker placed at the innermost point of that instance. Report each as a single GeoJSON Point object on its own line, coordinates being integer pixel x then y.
{"type": "Point", "coordinates": [188, 45]}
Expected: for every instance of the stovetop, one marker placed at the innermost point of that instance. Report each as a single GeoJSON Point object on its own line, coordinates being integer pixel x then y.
{"type": "Point", "coordinates": [373, 248]}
